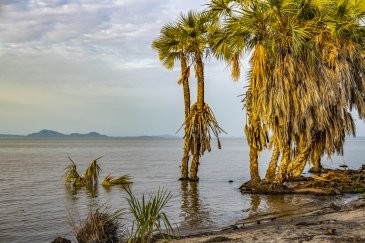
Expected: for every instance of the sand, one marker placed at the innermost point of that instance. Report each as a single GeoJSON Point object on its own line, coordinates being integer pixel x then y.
{"type": "Point", "coordinates": [330, 223]}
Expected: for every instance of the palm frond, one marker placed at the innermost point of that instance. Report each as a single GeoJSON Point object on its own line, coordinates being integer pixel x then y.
{"type": "Point", "coordinates": [122, 180]}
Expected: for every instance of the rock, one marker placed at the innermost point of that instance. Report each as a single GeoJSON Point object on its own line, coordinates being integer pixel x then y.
{"type": "Point", "coordinates": [61, 240]}
{"type": "Point", "coordinates": [330, 231]}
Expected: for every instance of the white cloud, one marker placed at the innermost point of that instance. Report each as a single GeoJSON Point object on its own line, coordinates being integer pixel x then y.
{"type": "Point", "coordinates": [82, 65]}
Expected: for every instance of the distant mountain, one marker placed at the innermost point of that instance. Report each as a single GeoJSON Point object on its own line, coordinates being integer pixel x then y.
{"type": "Point", "coordinates": [46, 134]}
{"type": "Point", "coordinates": [53, 134]}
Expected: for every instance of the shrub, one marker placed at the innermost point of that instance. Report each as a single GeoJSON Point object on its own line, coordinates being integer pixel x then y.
{"type": "Point", "coordinates": [99, 226]}
{"type": "Point", "coordinates": [148, 216]}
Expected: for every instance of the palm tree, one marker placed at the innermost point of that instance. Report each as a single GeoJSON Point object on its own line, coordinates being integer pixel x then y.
{"type": "Point", "coordinates": [187, 41]}
{"type": "Point", "coordinates": [201, 121]}
{"type": "Point", "coordinates": [306, 73]}
{"type": "Point", "coordinates": [171, 47]}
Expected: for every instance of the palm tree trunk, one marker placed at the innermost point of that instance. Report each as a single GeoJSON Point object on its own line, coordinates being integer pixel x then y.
{"type": "Point", "coordinates": [194, 168]}
{"type": "Point", "coordinates": [184, 72]}
{"type": "Point", "coordinates": [185, 159]}
{"type": "Point", "coordinates": [200, 78]}
{"type": "Point", "coordinates": [271, 170]}
{"type": "Point", "coordinates": [200, 106]}
{"type": "Point", "coordinates": [254, 150]}
{"type": "Point", "coordinates": [316, 160]}
{"type": "Point", "coordinates": [254, 165]}
{"type": "Point", "coordinates": [297, 166]}
{"type": "Point", "coordinates": [283, 164]}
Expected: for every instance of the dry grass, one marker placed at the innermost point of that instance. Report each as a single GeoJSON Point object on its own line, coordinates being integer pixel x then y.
{"type": "Point", "coordinates": [99, 226]}
{"type": "Point", "coordinates": [199, 125]}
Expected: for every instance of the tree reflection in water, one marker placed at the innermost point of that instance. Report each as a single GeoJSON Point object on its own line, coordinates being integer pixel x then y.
{"type": "Point", "coordinates": [194, 214]}
{"type": "Point", "coordinates": [277, 204]}
{"type": "Point", "coordinates": [91, 191]}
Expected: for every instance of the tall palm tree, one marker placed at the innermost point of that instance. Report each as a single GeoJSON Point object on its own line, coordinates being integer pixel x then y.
{"type": "Point", "coordinates": [171, 47]}
{"type": "Point", "coordinates": [195, 27]}
{"type": "Point", "coordinates": [306, 73]}
{"type": "Point", "coordinates": [187, 41]}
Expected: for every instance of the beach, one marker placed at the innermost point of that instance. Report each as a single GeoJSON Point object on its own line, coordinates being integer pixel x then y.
{"type": "Point", "coordinates": [334, 222]}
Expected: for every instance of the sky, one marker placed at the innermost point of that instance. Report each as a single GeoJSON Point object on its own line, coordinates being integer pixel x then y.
{"type": "Point", "coordinates": [88, 65]}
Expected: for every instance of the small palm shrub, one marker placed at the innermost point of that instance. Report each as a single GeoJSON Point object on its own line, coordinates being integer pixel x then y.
{"type": "Point", "coordinates": [148, 216]}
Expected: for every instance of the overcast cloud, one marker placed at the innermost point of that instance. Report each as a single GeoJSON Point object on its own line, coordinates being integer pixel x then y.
{"type": "Point", "coordinates": [80, 66]}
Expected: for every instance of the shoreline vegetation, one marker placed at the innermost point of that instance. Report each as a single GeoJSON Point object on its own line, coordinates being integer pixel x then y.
{"type": "Point", "coordinates": [306, 76]}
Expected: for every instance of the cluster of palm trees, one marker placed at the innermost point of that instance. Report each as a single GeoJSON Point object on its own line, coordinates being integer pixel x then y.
{"type": "Point", "coordinates": [307, 73]}
{"type": "Point", "coordinates": [187, 41]}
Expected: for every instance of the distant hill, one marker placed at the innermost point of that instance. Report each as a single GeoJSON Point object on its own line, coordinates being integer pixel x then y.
{"type": "Point", "coordinates": [53, 134]}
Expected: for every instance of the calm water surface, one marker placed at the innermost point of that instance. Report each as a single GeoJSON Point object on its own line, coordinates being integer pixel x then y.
{"type": "Point", "coordinates": [36, 206]}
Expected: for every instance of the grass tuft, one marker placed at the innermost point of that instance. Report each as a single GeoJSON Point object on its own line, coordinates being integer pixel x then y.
{"type": "Point", "coordinates": [99, 226]}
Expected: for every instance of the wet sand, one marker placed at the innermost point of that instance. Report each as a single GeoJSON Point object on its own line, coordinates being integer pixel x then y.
{"type": "Point", "coordinates": [335, 222]}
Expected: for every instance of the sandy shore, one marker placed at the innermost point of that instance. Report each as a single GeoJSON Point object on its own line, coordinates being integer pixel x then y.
{"type": "Point", "coordinates": [330, 223]}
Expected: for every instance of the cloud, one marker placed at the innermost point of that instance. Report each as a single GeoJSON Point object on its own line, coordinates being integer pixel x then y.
{"type": "Point", "coordinates": [82, 65]}
{"type": "Point", "coordinates": [105, 29]}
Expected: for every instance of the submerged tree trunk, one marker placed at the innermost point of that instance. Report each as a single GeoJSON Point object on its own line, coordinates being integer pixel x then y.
{"type": "Point", "coordinates": [194, 168]}
{"type": "Point", "coordinates": [271, 170]}
{"type": "Point", "coordinates": [185, 83]}
{"type": "Point", "coordinates": [255, 148]}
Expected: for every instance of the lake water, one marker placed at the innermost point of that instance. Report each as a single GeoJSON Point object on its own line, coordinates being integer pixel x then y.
{"type": "Point", "coordinates": [36, 206]}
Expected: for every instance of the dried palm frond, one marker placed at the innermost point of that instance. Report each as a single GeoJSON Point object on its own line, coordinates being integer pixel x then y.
{"type": "Point", "coordinates": [92, 173]}
{"type": "Point", "coordinates": [71, 174]}
{"type": "Point", "coordinates": [199, 125]}
{"type": "Point", "coordinates": [124, 179]}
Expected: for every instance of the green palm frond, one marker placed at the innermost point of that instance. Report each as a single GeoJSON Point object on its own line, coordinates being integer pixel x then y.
{"type": "Point", "coordinates": [148, 215]}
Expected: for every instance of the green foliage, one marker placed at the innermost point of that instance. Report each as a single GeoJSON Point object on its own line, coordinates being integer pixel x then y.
{"type": "Point", "coordinates": [307, 70]}
{"type": "Point", "coordinates": [358, 189]}
{"type": "Point", "coordinates": [148, 216]}
{"type": "Point", "coordinates": [149, 219]}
